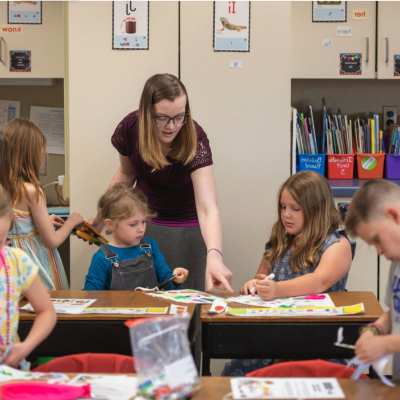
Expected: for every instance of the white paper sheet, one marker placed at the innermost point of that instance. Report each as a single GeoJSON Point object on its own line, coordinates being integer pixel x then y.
{"type": "Point", "coordinates": [312, 300]}
{"type": "Point", "coordinates": [144, 310]}
{"type": "Point", "coordinates": [112, 387]}
{"type": "Point", "coordinates": [50, 121]}
{"type": "Point", "coordinates": [286, 388]}
{"type": "Point", "coordinates": [3, 112]}
{"type": "Point", "coordinates": [13, 109]}
{"type": "Point", "coordinates": [66, 306]}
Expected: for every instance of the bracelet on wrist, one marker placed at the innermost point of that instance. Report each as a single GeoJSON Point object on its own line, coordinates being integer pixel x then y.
{"type": "Point", "coordinates": [215, 250]}
{"type": "Point", "coordinates": [376, 329]}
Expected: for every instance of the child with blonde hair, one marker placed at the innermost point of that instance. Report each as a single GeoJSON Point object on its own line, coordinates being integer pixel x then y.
{"type": "Point", "coordinates": [129, 260]}
{"type": "Point", "coordinates": [19, 276]}
{"type": "Point", "coordinates": [33, 230]}
{"type": "Point", "coordinates": [374, 216]}
{"type": "Point", "coordinates": [307, 252]}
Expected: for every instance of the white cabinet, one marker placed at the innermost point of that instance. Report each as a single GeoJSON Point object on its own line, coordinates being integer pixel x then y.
{"type": "Point", "coordinates": [309, 59]}
{"type": "Point", "coordinates": [388, 38]}
{"type": "Point", "coordinates": [45, 41]}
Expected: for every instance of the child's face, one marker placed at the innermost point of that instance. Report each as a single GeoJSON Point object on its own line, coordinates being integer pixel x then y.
{"type": "Point", "coordinates": [130, 231]}
{"type": "Point", "coordinates": [4, 229]}
{"type": "Point", "coordinates": [291, 214]}
{"type": "Point", "coordinates": [383, 233]}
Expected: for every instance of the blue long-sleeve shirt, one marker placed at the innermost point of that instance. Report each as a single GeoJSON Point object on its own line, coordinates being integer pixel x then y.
{"type": "Point", "coordinates": [100, 271]}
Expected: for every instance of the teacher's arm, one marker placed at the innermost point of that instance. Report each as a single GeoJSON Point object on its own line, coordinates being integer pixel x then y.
{"type": "Point", "coordinates": [205, 191]}
{"type": "Point", "coordinates": [125, 173]}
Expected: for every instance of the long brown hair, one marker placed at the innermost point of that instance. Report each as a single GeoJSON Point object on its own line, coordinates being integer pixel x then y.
{"type": "Point", "coordinates": [4, 162]}
{"type": "Point", "coordinates": [321, 218]}
{"type": "Point", "coordinates": [5, 206]}
{"type": "Point", "coordinates": [157, 88]}
{"type": "Point", "coordinates": [27, 147]}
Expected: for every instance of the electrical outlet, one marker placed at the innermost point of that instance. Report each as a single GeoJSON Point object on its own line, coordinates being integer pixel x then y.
{"type": "Point", "coordinates": [389, 116]}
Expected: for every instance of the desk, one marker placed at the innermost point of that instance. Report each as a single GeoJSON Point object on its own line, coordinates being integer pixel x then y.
{"type": "Point", "coordinates": [216, 388]}
{"type": "Point", "coordinates": [227, 336]}
{"type": "Point", "coordinates": [93, 333]}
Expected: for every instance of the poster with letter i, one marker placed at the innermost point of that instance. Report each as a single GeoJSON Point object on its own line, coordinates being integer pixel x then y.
{"type": "Point", "coordinates": [130, 29]}
{"type": "Point", "coordinates": [231, 26]}
{"type": "Point", "coordinates": [24, 12]}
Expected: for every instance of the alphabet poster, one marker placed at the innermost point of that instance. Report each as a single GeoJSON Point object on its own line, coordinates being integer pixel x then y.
{"type": "Point", "coordinates": [329, 11]}
{"type": "Point", "coordinates": [130, 25]}
{"type": "Point", "coordinates": [232, 26]}
{"type": "Point", "coordinates": [24, 12]}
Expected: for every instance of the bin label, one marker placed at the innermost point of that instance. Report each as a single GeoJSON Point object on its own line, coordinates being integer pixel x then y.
{"type": "Point", "coordinates": [368, 163]}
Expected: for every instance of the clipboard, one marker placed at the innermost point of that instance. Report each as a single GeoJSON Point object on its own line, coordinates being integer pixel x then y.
{"type": "Point", "coordinates": [93, 236]}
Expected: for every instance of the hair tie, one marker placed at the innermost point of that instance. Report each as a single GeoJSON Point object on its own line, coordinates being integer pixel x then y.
{"type": "Point", "coordinates": [215, 250]}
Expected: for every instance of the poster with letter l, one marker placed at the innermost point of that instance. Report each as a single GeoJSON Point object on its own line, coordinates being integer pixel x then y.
{"type": "Point", "coordinates": [231, 26]}
{"type": "Point", "coordinates": [130, 25]}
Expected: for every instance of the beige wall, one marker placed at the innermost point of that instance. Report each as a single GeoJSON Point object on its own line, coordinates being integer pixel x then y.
{"type": "Point", "coordinates": [246, 115]}
{"type": "Point", "coordinates": [46, 41]}
{"type": "Point", "coordinates": [104, 86]}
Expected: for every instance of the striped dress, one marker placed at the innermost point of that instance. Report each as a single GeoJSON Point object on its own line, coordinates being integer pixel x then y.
{"type": "Point", "coordinates": [25, 235]}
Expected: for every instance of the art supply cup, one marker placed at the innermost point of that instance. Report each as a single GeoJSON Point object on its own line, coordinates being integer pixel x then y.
{"type": "Point", "coordinates": [392, 166]}
{"type": "Point", "coordinates": [312, 162]}
{"type": "Point", "coordinates": [370, 166]}
{"type": "Point", "coordinates": [340, 166]}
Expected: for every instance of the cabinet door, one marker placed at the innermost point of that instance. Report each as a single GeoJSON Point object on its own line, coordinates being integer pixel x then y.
{"type": "Point", "coordinates": [388, 38]}
{"type": "Point", "coordinates": [311, 60]}
{"type": "Point", "coordinates": [363, 275]}
{"type": "Point", "coordinates": [45, 41]}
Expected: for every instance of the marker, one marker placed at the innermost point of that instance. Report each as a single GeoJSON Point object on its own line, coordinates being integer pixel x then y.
{"type": "Point", "coordinates": [268, 278]}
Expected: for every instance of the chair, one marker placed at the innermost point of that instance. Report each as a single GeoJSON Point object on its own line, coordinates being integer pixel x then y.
{"type": "Point", "coordinates": [306, 369]}
{"type": "Point", "coordinates": [90, 363]}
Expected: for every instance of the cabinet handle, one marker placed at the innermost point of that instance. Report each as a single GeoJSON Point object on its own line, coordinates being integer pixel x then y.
{"type": "Point", "coordinates": [387, 50]}
{"type": "Point", "coordinates": [367, 51]}
{"type": "Point", "coordinates": [1, 49]}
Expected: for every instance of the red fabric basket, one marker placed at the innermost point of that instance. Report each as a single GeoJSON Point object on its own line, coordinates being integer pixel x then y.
{"type": "Point", "coordinates": [306, 369]}
{"type": "Point", "coordinates": [90, 363]}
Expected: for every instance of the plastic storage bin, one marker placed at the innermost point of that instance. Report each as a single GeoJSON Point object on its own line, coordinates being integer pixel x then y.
{"type": "Point", "coordinates": [340, 166]}
{"type": "Point", "coordinates": [392, 166]}
{"type": "Point", "coordinates": [370, 166]}
{"type": "Point", "coordinates": [312, 162]}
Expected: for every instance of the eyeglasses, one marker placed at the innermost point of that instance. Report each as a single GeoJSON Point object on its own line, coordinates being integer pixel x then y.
{"type": "Point", "coordinates": [179, 120]}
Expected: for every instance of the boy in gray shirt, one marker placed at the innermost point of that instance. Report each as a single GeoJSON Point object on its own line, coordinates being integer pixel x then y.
{"type": "Point", "coordinates": [374, 216]}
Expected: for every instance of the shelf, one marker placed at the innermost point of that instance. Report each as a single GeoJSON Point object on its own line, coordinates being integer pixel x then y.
{"type": "Point", "coordinates": [347, 187]}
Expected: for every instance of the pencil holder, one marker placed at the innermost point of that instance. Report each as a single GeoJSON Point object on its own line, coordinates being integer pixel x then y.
{"type": "Point", "coordinates": [340, 166]}
{"type": "Point", "coordinates": [370, 166]}
{"type": "Point", "coordinates": [312, 162]}
{"type": "Point", "coordinates": [392, 166]}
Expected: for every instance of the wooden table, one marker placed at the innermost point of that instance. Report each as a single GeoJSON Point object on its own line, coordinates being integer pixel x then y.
{"type": "Point", "coordinates": [94, 333]}
{"type": "Point", "coordinates": [227, 336]}
{"type": "Point", "coordinates": [215, 388]}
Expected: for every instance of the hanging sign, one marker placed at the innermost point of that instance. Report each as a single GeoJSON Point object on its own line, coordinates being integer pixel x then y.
{"type": "Point", "coordinates": [350, 63]}
{"type": "Point", "coordinates": [232, 26]}
{"type": "Point", "coordinates": [24, 12]}
{"type": "Point", "coordinates": [20, 61]}
{"type": "Point", "coordinates": [130, 25]}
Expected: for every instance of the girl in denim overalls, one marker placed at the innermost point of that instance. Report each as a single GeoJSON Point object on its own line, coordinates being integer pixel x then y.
{"type": "Point", "coordinates": [129, 260]}
{"type": "Point", "coordinates": [307, 252]}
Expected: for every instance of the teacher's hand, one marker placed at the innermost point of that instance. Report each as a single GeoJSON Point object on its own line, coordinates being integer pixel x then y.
{"type": "Point", "coordinates": [217, 274]}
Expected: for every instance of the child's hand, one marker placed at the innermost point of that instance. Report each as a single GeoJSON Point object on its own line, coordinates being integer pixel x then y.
{"type": "Point", "coordinates": [181, 275]}
{"type": "Point", "coordinates": [370, 348]}
{"type": "Point", "coordinates": [267, 290]}
{"type": "Point", "coordinates": [17, 353]}
{"type": "Point", "coordinates": [246, 288]}
{"type": "Point", "coordinates": [76, 219]}
{"type": "Point", "coordinates": [57, 221]}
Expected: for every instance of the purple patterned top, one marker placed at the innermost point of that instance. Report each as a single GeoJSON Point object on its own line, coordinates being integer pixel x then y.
{"type": "Point", "coordinates": [170, 190]}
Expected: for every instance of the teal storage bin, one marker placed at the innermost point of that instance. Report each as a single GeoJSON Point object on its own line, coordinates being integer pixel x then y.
{"type": "Point", "coordinates": [312, 162]}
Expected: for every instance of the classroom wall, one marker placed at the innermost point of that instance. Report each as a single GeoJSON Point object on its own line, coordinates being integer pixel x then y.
{"type": "Point", "coordinates": [104, 86]}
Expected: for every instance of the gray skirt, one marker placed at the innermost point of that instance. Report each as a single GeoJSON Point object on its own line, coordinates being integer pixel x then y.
{"type": "Point", "coordinates": [182, 247]}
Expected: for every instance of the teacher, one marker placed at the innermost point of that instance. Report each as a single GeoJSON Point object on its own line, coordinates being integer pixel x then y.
{"type": "Point", "coordinates": [168, 155]}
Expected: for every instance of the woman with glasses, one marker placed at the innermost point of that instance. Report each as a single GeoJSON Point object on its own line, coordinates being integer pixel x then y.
{"type": "Point", "coordinates": [167, 154]}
